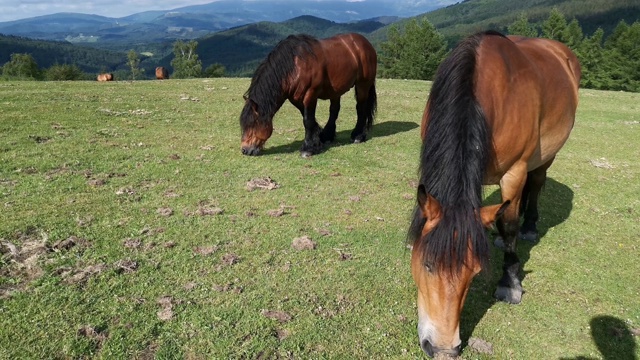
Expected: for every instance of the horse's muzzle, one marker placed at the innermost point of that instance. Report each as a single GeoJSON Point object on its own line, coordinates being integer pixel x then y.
{"type": "Point", "coordinates": [251, 150]}
{"type": "Point", "coordinates": [431, 350]}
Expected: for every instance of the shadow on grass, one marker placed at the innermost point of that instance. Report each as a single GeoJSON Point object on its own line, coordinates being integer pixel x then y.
{"type": "Point", "coordinates": [613, 338]}
{"type": "Point", "coordinates": [379, 130]}
{"type": "Point", "coordinates": [554, 205]}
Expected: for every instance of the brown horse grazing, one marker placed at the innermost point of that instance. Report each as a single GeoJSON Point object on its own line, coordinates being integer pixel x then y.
{"type": "Point", "coordinates": [162, 73]}
{"type": "Point", "coordinates": [105, 77]}
{"type": "Point", "coordinates": [303, 69]}
{"type": "Point", "coordinates": [499, 110]}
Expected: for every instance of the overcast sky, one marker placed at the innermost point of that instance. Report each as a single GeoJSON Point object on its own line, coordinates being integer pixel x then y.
{"type": "Point", "coordinates": [21, 9]}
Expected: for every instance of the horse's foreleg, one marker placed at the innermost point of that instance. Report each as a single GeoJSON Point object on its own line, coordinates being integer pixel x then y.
{"type": "Point", "coordinates": [312, 144]}
{"type": "Point", "coordinates": [509, 287]}
{"type": "Point", "coordinates": [535, 180]}
{"type": "Point", "coordinates": [328, 134]}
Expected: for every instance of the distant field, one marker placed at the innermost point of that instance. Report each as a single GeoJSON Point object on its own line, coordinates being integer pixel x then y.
{"type": "Point", "coordinates": [127, 231]}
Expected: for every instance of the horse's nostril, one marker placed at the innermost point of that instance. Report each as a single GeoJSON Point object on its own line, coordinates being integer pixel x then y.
{"type": "Point", "coordinates": [244, 151]}
{"type": "Point", "coordinates": [427, 348]}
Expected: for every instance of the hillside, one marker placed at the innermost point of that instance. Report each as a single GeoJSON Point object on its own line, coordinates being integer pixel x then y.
{"type": "Point", "coordinates": [470, 16]}
{"type": "Point", "coordinates": [193, 22]}
{"type": "Point", "coordinates": [257, 40]}
{"type": "Point", "coordinates": [47, 53]}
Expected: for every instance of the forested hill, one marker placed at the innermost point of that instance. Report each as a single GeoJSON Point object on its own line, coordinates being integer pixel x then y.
{"type": "Point", "coordinates": [48, 53]}
{"type": "Point", "coordinates": [470, 16]}
{"type": "Point", "coordinates": [257, 40]}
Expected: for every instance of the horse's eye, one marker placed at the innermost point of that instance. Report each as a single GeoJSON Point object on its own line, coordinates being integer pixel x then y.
{"type": "Point", "coordinates": [428, 266]}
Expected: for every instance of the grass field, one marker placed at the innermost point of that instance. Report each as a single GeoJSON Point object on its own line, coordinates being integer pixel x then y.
{"type": "Point", "coordinates": [127, 231]}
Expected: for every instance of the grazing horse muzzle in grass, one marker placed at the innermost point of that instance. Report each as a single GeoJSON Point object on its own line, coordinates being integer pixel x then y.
{"type": "Point", "coordinates": [499, 110]}
{"type": "Point", "coordinates": [303, 69]}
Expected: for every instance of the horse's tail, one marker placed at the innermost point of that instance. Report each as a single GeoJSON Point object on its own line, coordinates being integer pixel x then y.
{"type": "Point", "coordinates": [370, 106]}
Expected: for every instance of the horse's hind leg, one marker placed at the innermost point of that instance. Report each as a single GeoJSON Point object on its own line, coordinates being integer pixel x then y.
{"type": "Point", "coordinates": [535, 180]}
{"type": "Point", "coordinates": [328, 134]}
{"type": "Point", "coordinates": [366, 103]}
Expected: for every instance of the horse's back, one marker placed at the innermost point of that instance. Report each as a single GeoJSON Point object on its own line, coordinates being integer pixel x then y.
{"type": "Point", "coordinates": [528, 89]}
{"type": "Point", "coordinates": [348, 59]}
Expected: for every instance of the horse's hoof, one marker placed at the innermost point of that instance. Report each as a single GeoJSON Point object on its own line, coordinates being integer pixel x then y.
{"type": "Point", "coordinates": [508, 295]}
{"type": "Point", "coordinates": [530, 236]}
{"type": "Point", "coordinates": [306, 154]}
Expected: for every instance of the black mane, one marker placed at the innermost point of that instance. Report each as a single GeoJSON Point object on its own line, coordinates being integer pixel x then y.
{"type": "Point", "coordinates": [453, 161]}
{"type": "Point", "coordinates": [266, 85]}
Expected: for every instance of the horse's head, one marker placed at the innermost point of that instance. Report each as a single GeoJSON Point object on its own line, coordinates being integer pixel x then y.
{"type": "Point", "coordinates": [443, 287]}
{"type": "Point", "coordinates": [256, 128]}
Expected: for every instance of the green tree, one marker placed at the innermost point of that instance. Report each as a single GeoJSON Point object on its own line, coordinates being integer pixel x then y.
{"type": "Point", "coordinates": [591, 56]}
{"type": "Point", "coordinates": [185, 62]}
{"type": "Point", "coordinates": [64, 72]}
{"type": "Point", "coordinates": [522, 27]}
{"type": "Point", "coordinates": [573, 35]}
{"type": "Point", "coordinates": [623, 57]}
{"type": "Point", "coordinates": [413, 53]}
{"type": "Point", "coordinates": [214, 71]}
{"type": "Point", "coordinates": [22, 66]}
{"type": "Point", "coordinates": [554, 27]}
{"type": "Point", "coordinates": [133, 60]}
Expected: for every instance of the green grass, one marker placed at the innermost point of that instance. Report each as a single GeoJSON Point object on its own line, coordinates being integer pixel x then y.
{"type": "Point", "coordinates": [99, 162]}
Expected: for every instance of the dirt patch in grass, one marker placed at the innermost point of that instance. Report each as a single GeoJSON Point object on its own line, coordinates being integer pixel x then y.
{"type": "Point", "coordinates": [303, 243]}
{"type": "Point", "coordinates": [265, 183]}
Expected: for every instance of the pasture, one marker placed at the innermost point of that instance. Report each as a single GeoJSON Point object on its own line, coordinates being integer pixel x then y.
{"type": "Point", "coordinates": [128, 230]}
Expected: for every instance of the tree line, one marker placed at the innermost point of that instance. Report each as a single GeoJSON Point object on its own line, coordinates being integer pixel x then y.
{"type": "Point", "coordinates": [185, 64]}
{"type": "Point", "coordinates": [413, 52]}
{"type": "Point", "coordinates": [607, 64]}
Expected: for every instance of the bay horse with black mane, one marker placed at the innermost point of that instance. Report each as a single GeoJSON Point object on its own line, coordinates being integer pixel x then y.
{"type": "Point", "coordinates": [500, 109]}
{"type": "Point", "coordinates": [105, 77]}
{"type": "Point", "coordinates": [162, 73]}
{"type": "Point", "coordinates": [303, 69]}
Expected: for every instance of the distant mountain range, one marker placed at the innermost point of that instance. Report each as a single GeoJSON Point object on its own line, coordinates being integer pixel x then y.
{"type": "Point", "coordinates": [195, 21]}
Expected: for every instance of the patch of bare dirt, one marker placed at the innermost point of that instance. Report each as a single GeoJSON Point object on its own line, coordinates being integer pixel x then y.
{"type": "Point", "coordinates": [91, 333]}
{"type": "Point", "coordinates": [166, 308]}
{"type": "Point", "coordinates": [79, 276]}
{"type": "Point", "coordinates": [164, 211]}
{"type": "Point", "coordinates": [602, 163]}
{"type": "Point", "coordinates": [265, 183]}
{"type": "Point", "coordinates": [281, 316]}
{"type": "Point", "coordinates": [205, 250]}
{"type": "Point", "coordinates": [125, 266]}
{"type": "Point", "coordinates": [303, 243]}
{"type": "Point", "coordinates": [480, 345]}
{"type": "Point", "coordinates": [227, 260]}
{"type": "Point", "coordinates": [205, 208]}
{"type": "Point", "coordinates": [23, 255]}
{"type": "Point", "coordinates": [229, 287]}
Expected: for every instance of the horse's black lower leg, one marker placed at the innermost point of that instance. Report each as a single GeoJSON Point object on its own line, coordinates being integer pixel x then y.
{"type": "Point", "coordinates": [312, 144]}
{"type": "Point", "coordinates": [509, 287]}
{"type": "Point", "coordinates": [328, 134]}
{"type": "Point", "coordinates": [535, 181]}
{"type": "Point", "coordinates": [366, 104]}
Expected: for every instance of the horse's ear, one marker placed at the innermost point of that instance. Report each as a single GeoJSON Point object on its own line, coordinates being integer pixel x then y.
{"type": "Point", "coordinates": [489, 214]}
{"type": "Point", "coordinates": [430, 206]}
{"type": "Point", "coordinates": [245, 97]}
